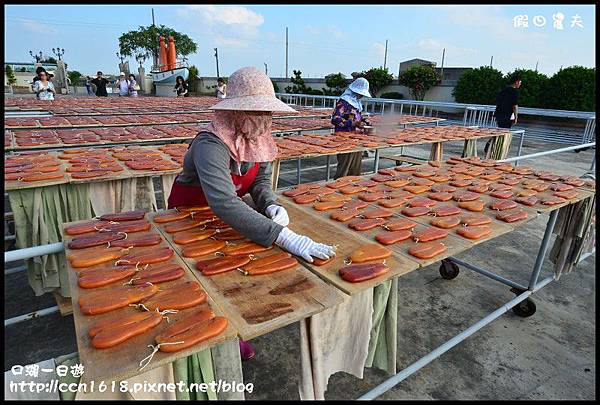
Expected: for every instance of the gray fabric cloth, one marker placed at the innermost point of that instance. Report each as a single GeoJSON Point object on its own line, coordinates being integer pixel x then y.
{"type": "Point", "coordinates": [470, 148]}
{"type": "Point", "coordinates": [39, 214]}
{"type": "Point", "coordinates": [348, 164]}
{"type": "Point", "coordinates": [166, 182]}
{"type": "Point", "coordinates": [208, 164]}
{"type": "Point", "coordinates": [575, 228]}
{"type": "Point", "coordinates": [333, 341]}
{"type": "Point", "coordinates": [122, 195]}
{"type": "Point", "coordinates": [498, 147]}
{"type": "Point", "coordinates": [382, 345]}
{"type": "Point", "coordinates": [437, 152]}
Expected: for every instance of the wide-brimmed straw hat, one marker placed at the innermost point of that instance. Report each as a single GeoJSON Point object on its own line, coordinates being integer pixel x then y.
{"type": "Point", "coordinates": [249, 89]}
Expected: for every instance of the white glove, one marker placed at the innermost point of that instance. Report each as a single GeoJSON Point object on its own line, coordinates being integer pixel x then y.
{"type": "Point", "coordinates": [278, 214]}
{"type": "Point", "coordinates": [303, 246]}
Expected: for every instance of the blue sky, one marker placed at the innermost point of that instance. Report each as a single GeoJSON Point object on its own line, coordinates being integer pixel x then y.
{"type": "Point", "coordinates": [322, 39]}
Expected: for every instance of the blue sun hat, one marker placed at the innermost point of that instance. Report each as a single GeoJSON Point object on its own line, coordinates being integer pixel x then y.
{"type": "Point", "coordinates": [360, 86]}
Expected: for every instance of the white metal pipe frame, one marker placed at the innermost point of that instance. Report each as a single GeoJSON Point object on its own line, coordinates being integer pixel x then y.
{"type": "Point", "coordinates": [442, 104]}
{"type": "Point", "coordinates": [523, 293]}
{"type": "Point", "coordinates": [475, 113]}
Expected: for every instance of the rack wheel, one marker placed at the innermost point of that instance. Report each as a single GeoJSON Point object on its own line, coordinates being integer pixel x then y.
{"type": "Point", "coordinates": [525, 308]}
{"type": "Point", "coordinates": [448, 270]}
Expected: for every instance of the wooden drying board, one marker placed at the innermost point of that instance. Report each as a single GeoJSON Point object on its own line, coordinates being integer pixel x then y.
{"type": "Point", "coordinates": [328, 233]}
{"type": "Point", "coordinates": [101, 143]}
{"type": "Point", "coordinates": [121, 362]}
{"type": "Point", "coordinates": [22, 185]}
{"type": "Point", "coordinates": [105, 113]}
{"type": "Point", "coordinates": [109, 177]}
{"type": "Point", "coordinates": [455, 244]}
{"type": "Point", "coordinates": [498, 227]}
{"type": "Point", "coordinates": [254, 292]}
{"type": "Point", "coordinates": [583, 194]}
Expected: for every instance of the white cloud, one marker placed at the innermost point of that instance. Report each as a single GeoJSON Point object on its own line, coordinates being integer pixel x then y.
{"type": "Point", "coordinates": [34, 26]}
{"type": "Point", "coordinates": [227, 15]}
{"type": "Point", "coordinates": [231, 26]}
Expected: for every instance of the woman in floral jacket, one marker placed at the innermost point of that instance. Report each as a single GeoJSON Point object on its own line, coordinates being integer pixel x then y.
{"type": "Point", "coordinates": [347, 117]}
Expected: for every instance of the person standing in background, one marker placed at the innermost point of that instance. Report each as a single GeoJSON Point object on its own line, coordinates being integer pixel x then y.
{"type": "Point", "coordinates": [347, 118]}
{"type": "Point", "coordinates": [133, 86]}
{"type": "Point", "coordinates": [181, 87]}
{"type": "Point", "coordinates": [88, 86]}
{"type": "Point", "coordinates": [221, 88]}
{"type": "Point", "coordinates": [43, 88]}
{"type": "Point", "coordinates": [507, 108]}
{"type": "Point", "coordinates": [100, 83]}
{"type": "Point", "coordinates": [123, 85]}
{"type": "Point", "coordinates": [37, 75]}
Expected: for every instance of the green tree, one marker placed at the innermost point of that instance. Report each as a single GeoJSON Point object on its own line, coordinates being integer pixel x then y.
{"type": "Point", "coordinates": [298, 85]}
{"type": "Point", "coordinates": [531, 92]}
{"type": "Point", "coordinates": [419, 79]}
{"type": "Point", "coordinates": [336, 83]}
{"type": "Point", "coordinates": [10, 76]}
{"type": "Point", "coordinates": [572, 88]}
{"type": "Point", "coordinates": [145, 40]}
{"type": "Point", "coordinates": [378, 78]}
{"type": "Point", "coordinates": [74, 77]}
{"type": "Point", "coordinates": [49, 59]}
{"type": "Point", "coordinates": [193, 78]}
{"type": "Point", "coordinates": [479, 86]}
{"type": "Point", "coordinates": [275, 87]}
{"type": "Point", "coordinates": [393, 95]}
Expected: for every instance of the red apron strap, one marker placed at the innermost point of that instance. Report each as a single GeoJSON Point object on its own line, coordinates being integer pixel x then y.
{"type": "Point", "coordinates": [186, 195]}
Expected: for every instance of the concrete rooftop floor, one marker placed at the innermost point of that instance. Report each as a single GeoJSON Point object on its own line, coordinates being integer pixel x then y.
{"type": "Point", "coordinates": [550, 355]}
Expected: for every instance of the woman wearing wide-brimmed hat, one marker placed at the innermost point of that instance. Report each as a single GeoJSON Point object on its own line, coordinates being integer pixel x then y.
{"type": "Point", "coordinates": [347, 117]}
{"type": "Point", "coordinates": [231, 158]}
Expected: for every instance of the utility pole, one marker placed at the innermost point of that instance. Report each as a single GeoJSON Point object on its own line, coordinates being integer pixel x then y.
{"type": "Point", "coordinates": [266, 70]}
{"type": "Point", "coordinates": [399, 64]}
{"type": "Point", "coordinates": [217, 58]}
{"type": "Point", "coordinates": [385, 55]}
{"type": "Point", "coordinates": [442, 69]}
{"type": "Point", "coordinates": [154, 54]}
{"type": "Point", "coordinates": [491, 60]}
{"type": "Point", "coordinates": [286, 52]}
{"type": "Point", "coordinates": [536, 65]}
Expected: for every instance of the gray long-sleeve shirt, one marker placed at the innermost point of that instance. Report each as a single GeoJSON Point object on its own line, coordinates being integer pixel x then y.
{"type": "Point", "coordinates": [208, 164]}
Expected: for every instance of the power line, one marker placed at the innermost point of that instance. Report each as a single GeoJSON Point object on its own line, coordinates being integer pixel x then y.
{"type": "Point", "coordinates": [61, 23]}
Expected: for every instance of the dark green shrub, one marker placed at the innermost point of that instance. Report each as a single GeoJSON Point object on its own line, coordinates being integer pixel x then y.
{"type": "Point", "coordinates": [393, 95]}
{"type": "Point", "coordinates": [479, 86]}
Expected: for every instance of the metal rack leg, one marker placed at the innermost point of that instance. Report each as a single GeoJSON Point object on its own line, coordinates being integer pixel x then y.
{"type": "Point", "coordinates": [376, 164]}
{"type": "Point", "coordinates": [328, 172]}
{"type": "Point", "coordinates": [520, 147]}
{"type": "Point", "coordinates": [487, 273]}
{"type": "Point", "coordinates": [428, 358]}
{"type": "Point", "coordinates": [537, 268]}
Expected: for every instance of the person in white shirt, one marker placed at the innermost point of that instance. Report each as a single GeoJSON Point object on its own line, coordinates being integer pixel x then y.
{"type": "Point", "coordinates": [221, 88]}
{"type": "Point", "coordinates": [123, 85]}
{"type": "Point", "coordinates": [43, 88]}
{"type": "Point", "coordinates": [133, 86]}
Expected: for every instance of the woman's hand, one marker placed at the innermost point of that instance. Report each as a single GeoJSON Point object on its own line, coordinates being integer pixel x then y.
{"type": "Point", "coordinates": [303, 246]}
{"type": "Point", "coordinates": [278, 214]}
